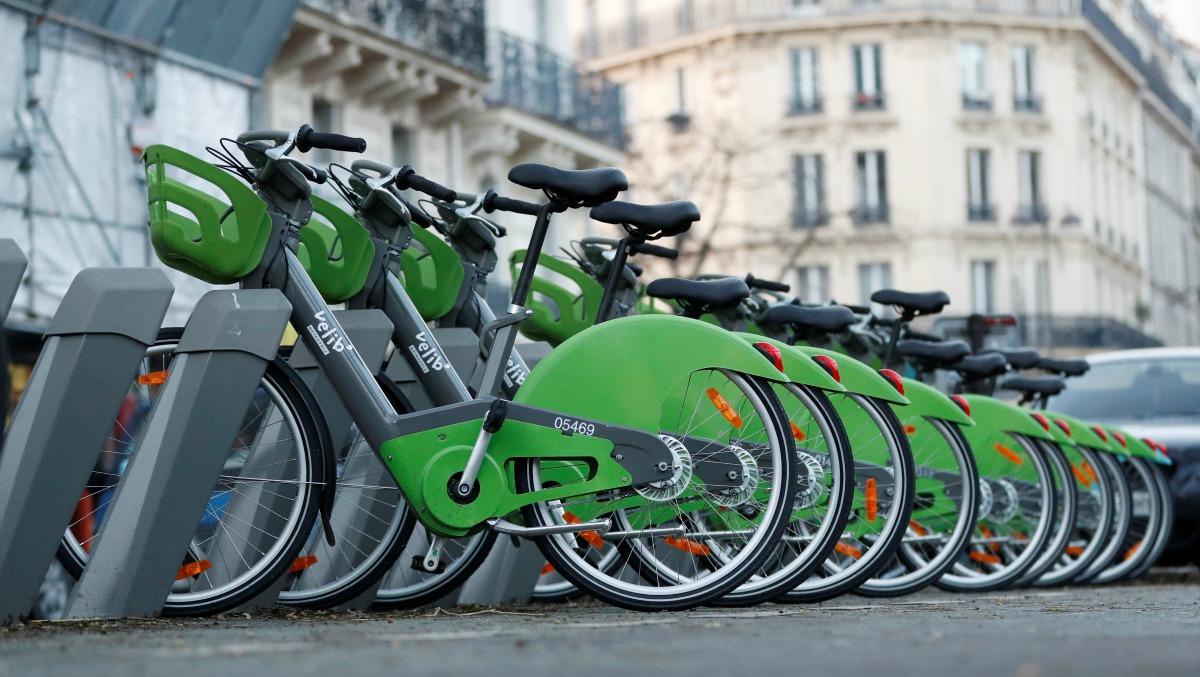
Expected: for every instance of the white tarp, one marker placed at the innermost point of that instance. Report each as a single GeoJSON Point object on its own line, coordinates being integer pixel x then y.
{"type": "Point", "coordinates": [88, 89]}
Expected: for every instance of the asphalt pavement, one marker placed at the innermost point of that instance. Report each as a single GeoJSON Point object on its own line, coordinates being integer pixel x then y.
{"type": "Point", "coordinates": [1142, 629]}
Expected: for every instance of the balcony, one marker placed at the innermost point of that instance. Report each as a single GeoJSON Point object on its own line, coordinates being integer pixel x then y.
{"type": "Point", "coordinates": [810, 218]}
{"type": "Point", "coordinates": [864, 101]}
{"type": "Point", "coordinates": [977, 101]}
{"type": "Point", "coordinates": [1027, 103]}
{"type": "Point", "coordinates": [981, 213]}
{"type": "Point", "coordinates": [1032, 214]}
{"type": "Point", "coordinates": [686, 17]}
{"type": "Point", "coordinates": [811, 106]}
{"type": "Point", "coordinates": [449, 30]}
{"type": "Point", "coordinates": [865, 215]}
{"type": "Point", "coordinates": [536, 80]}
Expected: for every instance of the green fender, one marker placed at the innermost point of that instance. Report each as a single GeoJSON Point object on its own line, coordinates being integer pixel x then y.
{"type": "Point", "coordinates": [1081, 431]}
{"type": "Point", "coordinates": [930, 402]}
{"type": "Point", "coordinates": [1060, 436]}
{"type": "Point", "coordinates": [798, 366]}
{"type": "Point", "coordinates": [859, 378]}
{"type": "Point", "coordinates": [619, 371]}
{"type": "Point", "coordinates": [1132, 446]}
{"type": "Point", "coordinates": [998, 414]}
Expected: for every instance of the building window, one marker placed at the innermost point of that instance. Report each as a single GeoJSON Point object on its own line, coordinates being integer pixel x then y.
{"type": "Point", "coordinates": [972, 61]}
{"type": "Point", "coordinates": [870, 187]}
{"type": "Point", "coordinates": [806, 96]}
{"type": "Point", "coordinates": [808, 176]}
{"type": "Point", "coordinates": [681, 119]}
{"type": "Point", "coordinates": [868, 77]}
{"type": "Point", "coordinates": [324, 119]}
{"type": "Point", "coordinates": [812, 284]}
{"type": "Point", "coordinates": [1025, 98]}
{"type": "Point", "coordinates": [1029, 188]}
{"type": "Point", "coordinates": [979, 202]}
{"type": "Point", "coordinates": [983, 287]}
{"type": "Point", "coordinates": [871, 278]}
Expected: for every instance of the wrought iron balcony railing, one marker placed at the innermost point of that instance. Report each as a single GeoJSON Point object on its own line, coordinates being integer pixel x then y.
{"type": "Point", "coordinates": [984, 213]}
{"type": "Point", "coordinates": [868, 101]}
{"type": "Point", "coordinates": [800, 106]}
{"type": "Point", "coordinates": [1032, 213]}
{"type": "Point", "coordinates": [977, 101]}
{"type": "Point", "coordinates": [1027, 103]}
{"type": "Point", "coordinates": [450, 30]}
{"type": "Point", "coordinates": [809, 218]}
{"type": "Point", "coordinates": [864, 215]}
{"type": "Point", "coordinates": [537, 80]}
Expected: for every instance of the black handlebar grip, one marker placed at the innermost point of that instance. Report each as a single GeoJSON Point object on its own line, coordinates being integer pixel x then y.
{"type": "Point", "coordinates": [637, 270]}
{"type": "Point", "coordinates": [418, 215]}
{"type": "Point", "coordinates": [493, 202]}
{"type": "Point", "coordinates": [767, 285]}
{"type": "Point", "coordinates": [307, 139]}
{"type": "Point", "coordinates": [655, 250]}
{"type": "Point", "coordinates": [857, 310]}
{"type": "Point", "coordinates": [411, 179]}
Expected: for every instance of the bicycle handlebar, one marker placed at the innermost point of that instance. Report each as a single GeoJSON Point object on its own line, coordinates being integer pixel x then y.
{"type": "Point", "coordinates": [493, 202]}
{"type": "Point", "coordinates": [408, 178]}
{"type": "Point", "coordinates": [381, 169]}
{"type": "Point", "coordinates": [655, 250]}
{"type": "Point", "coordinates": [307, 139]}
{"type": "Point", "coordinates": [313, 174]}
{"type": "Point", "coordinates": [768, 285]}
{"type": "Point", "coordinates": [418, 215]}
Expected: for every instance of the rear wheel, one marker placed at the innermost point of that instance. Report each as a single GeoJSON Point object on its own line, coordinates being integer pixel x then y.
{"type": "Point", "coordinates": [669, 531]}
{"type": "Point", "coordinates": [1015, 520]}
{"type": "Point", "coordinates": [1168, 523]}
{"type": "Point", "coordinates": [1093, 521]}
{"type": "Point", "coordinates": [943, 517]}
{"type": "Point", "coordinates": [1147, 518]}
{"type": "Point", "coordinates": [1066, 490]}
{"type": "Point", "coordinates": [1114, 540]}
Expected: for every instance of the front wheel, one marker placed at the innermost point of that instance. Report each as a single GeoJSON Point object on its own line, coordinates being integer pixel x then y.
{"type": "Point", "coordinates": [670, 530]}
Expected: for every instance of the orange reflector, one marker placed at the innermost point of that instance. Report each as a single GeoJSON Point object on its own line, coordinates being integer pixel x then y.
{"type": "Point", "coordinates": [593, 539]}
{"type": "Point", "coordinates": [1080, 476]}
{"type": "Point", "coordinates": [797, 432]}
{"type": "Point", "coordinates": [987, 533]}
{"type": "Point", "coordinates": [985, 558]}
{"type": "Point", "coordinates": [1074, 550]}
{"type": "Point", "coordinates": [303, 563]}
{"type": "Point", "coordinates": [1009, 454]}
{"type": "Point", "coordinates": [848, 550]}
{"type": "Point", "coordinates": [1087, 468]}
{"type": "Point", "coordinates": [154, 378]}
{"type": "Point", "coordinates": [872, 500]}
{"type": "Point", "coordinates": [917, 528]}
{"type": "Point", "coordinates": [910, 429]}
{"type": "Point", "coordinates": [193, 569]}
{"type": "Point", "coordinates": [1020, 536]}
{"type": "Point", "coordinates": [687, 546]}
{"type": "Point", "coordinates": [723, 407]}
{"type": "Point", "coordinates": [549, 568]}
{"type": "Point", "coordinates": [1133, 551]}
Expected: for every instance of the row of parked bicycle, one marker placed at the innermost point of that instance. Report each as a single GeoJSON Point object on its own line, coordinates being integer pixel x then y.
{"type": "Point", "coordinates": [666, 445]}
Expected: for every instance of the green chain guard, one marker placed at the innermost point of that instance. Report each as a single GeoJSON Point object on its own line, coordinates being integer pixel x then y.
{"type": "Point", "coordinates": [336, 251]}
{"type": "Point", "coordinates": [197, 234]}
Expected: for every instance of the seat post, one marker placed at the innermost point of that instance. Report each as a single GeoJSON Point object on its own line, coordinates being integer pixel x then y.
{"type": "Point", "coordinates": [536, 243]}
{"type": "Point", "coordinates": [620, 256]}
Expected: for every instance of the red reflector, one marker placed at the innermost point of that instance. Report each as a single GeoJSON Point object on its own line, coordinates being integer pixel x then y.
{"type": "Point", "coordinates": [1100, 431]}
{"type": "Point", "coordinates": [830, 366]}
{"type": "Point", "coordinates": [962, 403]}
{"type": "Point", "coordinates": [1121, 439]}
{"type": "Point", "coordinates": [1045, 422]}
{"type": "Point", "coordinates": [771, 352]}
{"type": "Point", "coordinates": [1066, 427]}
{"type": "Point", "coordinates": [999, 321]}
{"type": "Point", "coordinates": [894, 379]}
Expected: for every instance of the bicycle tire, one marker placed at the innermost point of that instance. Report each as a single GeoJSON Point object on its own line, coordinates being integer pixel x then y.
{"type": "Point", "coordinates": [1094, 517]}
{"type": "Point", "coordinates": [1142, 529]}
{"type": "Point", "coordinates": [1066, 502]}
{"type": "Point", "coordinates": [1168, 524]}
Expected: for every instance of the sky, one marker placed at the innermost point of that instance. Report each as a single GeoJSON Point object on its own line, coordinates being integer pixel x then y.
{"type": "Point", "coordinates": [1183, 15]}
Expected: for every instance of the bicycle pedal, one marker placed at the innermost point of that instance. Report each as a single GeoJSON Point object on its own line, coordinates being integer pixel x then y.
{"type": "Point", "coordinates": [418, 564]}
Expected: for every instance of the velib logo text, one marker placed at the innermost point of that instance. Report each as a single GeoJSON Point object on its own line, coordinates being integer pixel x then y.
{"type": "Point", "coordinates": [328, 336]}
{"type": "Point", "coordinates": [514, 374]}
{"type": "Point", "coordinates": [425, 354]}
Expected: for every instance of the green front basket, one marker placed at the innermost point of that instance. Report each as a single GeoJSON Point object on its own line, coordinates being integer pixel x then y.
{"type": "Point", "coordinates": [433, 274]}
{"type": "Point", "coordinates": [336, 250]}
{"type": "Point", "coordinates": [558, 314]}
{"type": "Point", "coordinates": [217, 241]}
